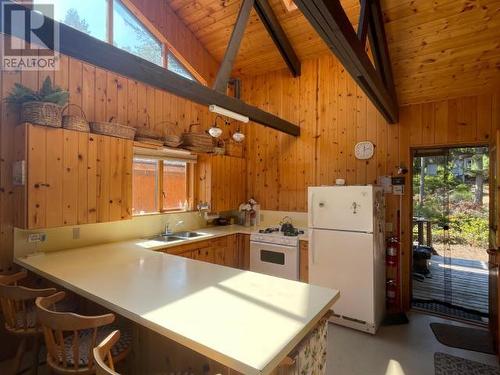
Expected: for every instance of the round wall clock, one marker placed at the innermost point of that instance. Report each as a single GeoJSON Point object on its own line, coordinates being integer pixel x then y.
{"type": "Point", "coordinates": [364, 150]}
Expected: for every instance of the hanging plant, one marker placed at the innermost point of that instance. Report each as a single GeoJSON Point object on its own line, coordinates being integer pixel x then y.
{"type": "Point", "coordinates": [42, 107]}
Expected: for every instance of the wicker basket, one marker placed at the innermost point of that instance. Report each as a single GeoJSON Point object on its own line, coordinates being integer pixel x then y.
{"type": "Point", "coordinates": [74, 122]}
{"type": "Point", "coordinates": [42, 113]}
{"type": "Point", "coordinates": [113, 129]}
{"type": "Point", "coordinates": [172, 141]}
{"type": "Point", "coordinates": [198, 142]}
{"type": "Point", "coordinates": [148, 133]}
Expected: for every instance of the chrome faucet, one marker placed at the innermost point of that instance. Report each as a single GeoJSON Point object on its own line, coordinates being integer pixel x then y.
{"type": "Point", "coordinates": [169, 231]}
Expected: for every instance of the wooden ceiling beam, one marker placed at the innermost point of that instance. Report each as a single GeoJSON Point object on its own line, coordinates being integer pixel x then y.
{"type": "Point", "coordinates": [226, 66]}
{"type": "Point", "coordinates": [278, 35]}
{"type": "Point", "coordinates": [364, 21]}
{"type": "Point", "coordinates": [331, 22]}
{"type": "Point", "coordinates": [81, 46]}
{"type": "Point", "coordinates": [378, 43]}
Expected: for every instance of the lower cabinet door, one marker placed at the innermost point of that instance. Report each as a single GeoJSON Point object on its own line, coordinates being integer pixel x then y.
{"type": "Point", "coordinates": [204, 254]}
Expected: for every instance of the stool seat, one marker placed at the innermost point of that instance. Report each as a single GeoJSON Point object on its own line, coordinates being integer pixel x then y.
{"type": "Point", "coordinates": [86, 343]}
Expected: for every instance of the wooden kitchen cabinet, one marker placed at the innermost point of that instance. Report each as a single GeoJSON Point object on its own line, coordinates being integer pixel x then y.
{"type": "Point", "coordinates": [244, 250]}
{"type": "Point", "coordinates": [304, 261]}
{"type": "Point", "coordinates": [221, 181]}
{"type": "Point", "coordinates": [225, 250]}
{"type": "Point", "coordinates": [72, 177]}
{"type": "Point", "coordinates": [205, 254]}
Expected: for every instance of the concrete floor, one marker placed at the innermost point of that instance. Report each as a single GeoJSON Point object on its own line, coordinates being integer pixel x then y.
{"type": "Point", "coordinates": [395, 350]}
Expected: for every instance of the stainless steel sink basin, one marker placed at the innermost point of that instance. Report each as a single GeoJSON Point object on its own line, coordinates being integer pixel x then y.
{"type": "Point", "coordinates": [165, 238]}
{"type": "Point", "coordinates": [187, 234]}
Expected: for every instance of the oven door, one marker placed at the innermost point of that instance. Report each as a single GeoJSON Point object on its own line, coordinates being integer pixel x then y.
{"type": "Point", "coordinates": [275, 260]}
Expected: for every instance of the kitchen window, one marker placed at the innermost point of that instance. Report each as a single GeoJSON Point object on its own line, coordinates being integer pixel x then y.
{"type": "Point", "coordinates": [119, 23]}
{"type": "Point", "coordinates": [161, 184]}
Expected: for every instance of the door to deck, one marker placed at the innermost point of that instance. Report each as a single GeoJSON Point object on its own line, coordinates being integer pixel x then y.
{"type": "Point", "coordinates": [451, 204]}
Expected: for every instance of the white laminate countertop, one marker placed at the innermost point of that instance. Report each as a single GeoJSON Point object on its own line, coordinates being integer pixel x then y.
{"type": "Point", "coordinates": [209, 232]}
{"type": "Point", "coordinates": [244, 320]}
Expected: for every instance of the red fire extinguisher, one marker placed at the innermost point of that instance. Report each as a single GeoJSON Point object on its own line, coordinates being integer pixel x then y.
{"type": "Point", "coordinates": [391, 292]}
{"type": "Point", "coordinates": [392, 252]}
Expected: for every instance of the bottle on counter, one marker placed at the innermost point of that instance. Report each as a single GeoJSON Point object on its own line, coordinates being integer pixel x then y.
{"type": "Point", "coordinates": [247, 222]}
{"type": "Point", "coordinates": [253, 218]}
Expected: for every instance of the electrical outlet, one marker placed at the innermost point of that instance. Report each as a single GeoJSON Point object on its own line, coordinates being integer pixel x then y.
{"type": "Point", "coordinates": [37, 237]}
{"type": "Point", "coordinates": [388, 227]}
{"type": "Point", "coordinates": [261, 218]}
{"type": "Point", "coordinates": [76, 233]}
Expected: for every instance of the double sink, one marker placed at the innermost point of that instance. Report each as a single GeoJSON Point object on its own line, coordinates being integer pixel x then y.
{"type": "Point", "coordinates": [177, 236]}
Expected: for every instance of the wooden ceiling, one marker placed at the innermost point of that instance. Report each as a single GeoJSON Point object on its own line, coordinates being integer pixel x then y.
{"type": "Point", "coordinates": [439, 48]}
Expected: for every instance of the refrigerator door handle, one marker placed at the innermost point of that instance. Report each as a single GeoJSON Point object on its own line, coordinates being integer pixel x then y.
{"type": "Point", "coordinates": [311, 211]}
{"type": "Point", "coordinates": [312, 249]}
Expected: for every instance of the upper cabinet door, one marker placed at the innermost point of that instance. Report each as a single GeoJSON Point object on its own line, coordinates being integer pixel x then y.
{"type": "Point", "coordinates": [347, 208]}
{"type": "Point", "coordinates": [75, 178]}
{"type": "Point", "coordinates": [221, 182]}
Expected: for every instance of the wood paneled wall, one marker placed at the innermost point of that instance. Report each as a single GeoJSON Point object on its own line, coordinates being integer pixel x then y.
{"type": "Point", "coordinates": [101, 94]}
{"type": "Point", "coordinates": [334, 115]}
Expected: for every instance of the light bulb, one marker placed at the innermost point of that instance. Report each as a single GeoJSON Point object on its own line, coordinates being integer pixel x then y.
{"type": "Point", "coordinates": [238, 136]}
{"type": "Point", "coordinates": [215, 132]}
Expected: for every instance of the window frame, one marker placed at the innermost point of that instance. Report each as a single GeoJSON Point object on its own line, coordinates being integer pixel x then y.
{"type": "Point", "coordinates": [190, 178]}
{"type": "Point", "coordinates": [165, 44]}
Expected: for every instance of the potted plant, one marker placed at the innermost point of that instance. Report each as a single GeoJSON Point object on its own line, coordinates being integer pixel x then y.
{"type": "Point", "coordinates": [42, 107]}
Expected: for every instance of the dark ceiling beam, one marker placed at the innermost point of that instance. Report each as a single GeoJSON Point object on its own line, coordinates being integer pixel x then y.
{"type": "Point", "coordinates": [364, 21]}
{"type": "Point", "coordinates": [83, 47]}
{"type": "Point", "coordinates": [378, 42]}
{"type": "Point", "coordinates": [226, 67]}
{"type": "Point", "coordinates": [331, 22]}
{"type": "Point", "coordinates": [278, 35]}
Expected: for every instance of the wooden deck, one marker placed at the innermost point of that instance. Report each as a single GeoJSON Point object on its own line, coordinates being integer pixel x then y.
{"type": "Point", "coordinates": [461, 282]}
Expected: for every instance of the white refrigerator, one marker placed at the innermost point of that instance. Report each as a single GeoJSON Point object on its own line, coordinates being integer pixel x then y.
{"type": "Point", "coordinates": [347, 251]}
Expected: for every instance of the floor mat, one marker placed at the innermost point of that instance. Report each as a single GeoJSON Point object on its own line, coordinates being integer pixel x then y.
{"type": "Point", "coordinates": [445, 364]}
{"type": "Point", "coordinates": [478, 340]}
{"type": "Point", "coordinates": [445, 309]}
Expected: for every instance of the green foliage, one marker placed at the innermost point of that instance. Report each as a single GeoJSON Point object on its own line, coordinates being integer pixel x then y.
{"type": "Point", "coordinates": [73, 19]}
{"type": "Point", "coordinates": [21, 94]}
{"type": "Point", "coordinates": [461, 193]}
{"type": "Point", "coordinates": [449, 195]}
{"type": "Point", "coordinates": [465, 229]}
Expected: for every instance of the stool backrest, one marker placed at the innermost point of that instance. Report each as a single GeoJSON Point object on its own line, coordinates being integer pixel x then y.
{"type": "Point", "coordinates": [18, 302]}
{"type": "Point", "coordinates": [57, 325]}
{"type": "Point", "coordinates": [103, 352]}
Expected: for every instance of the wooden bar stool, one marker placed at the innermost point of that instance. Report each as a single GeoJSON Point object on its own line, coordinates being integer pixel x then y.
{"type": "Point", "coordinates": [102, 353]}
{"type": "Point", "coordinates": [18, 308]}
{"type": "Point", "coordinates": [70, 338]}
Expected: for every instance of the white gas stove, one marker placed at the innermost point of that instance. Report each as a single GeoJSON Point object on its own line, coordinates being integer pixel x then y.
{"type": "Point", "coordinates": [276, 252]}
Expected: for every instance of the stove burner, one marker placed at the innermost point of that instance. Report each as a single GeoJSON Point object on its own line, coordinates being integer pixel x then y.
{"type": "Point", "coordinates": [293, 232]}
{"type": "Point", "coordinates": [289, 232]}
{"type": "Point", "coordinates": [269, 230]}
